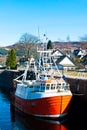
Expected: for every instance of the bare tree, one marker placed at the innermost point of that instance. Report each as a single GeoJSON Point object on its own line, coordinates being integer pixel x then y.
{"type": "Point", "coordinates": [30, 42]}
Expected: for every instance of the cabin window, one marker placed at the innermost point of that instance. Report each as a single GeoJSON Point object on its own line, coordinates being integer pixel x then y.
{"type": "Point", "coordinates": [57, 86]}
{"type": "Point", "coordinates": [48, 84]}
{"type": "Point", "coordinates": [31, 87]}
{"type": "Point", "coordinates": [48, 87]}
{"type": "Point", "coordinates": [52, 86]}
{"type": "Point", "coordinates": [38, 86]}
{"type": "Point", "coordinates": [63, 84]}
{"type": "Point", "coordinates": [66, 87]}
{"type": "Point", "coordinates": [44, 54]}
{"type": "Point", "coordinates": [43, 85]}
{"type": "Point", "coordinates": [42, 88]}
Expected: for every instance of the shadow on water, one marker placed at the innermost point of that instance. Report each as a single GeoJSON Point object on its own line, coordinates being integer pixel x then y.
{"type": "Point", "coordinates": [6, 94]}
{"type": "Point", "coordinates": [77, 119]}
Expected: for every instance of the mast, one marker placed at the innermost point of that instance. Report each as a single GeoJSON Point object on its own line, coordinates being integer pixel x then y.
{"type": "Point", "coordinates": [25, 72]}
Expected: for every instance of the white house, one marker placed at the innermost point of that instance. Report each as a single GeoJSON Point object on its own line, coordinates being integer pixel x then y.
{"type": "Point", "coordinates": [56, 54]}
{"type": "Point", "coordinates": [66, 62]}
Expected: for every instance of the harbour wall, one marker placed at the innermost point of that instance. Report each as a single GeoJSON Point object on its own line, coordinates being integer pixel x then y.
{"type": "Point", "coordinates": [78, 85]}
{"type": "Point", "coordinates": [6, 79]}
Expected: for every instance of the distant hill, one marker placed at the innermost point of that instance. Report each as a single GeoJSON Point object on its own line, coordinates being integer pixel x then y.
{"type": "Point", "coordinates": [68, 45]}
{"type": "Point", "coordinates": [20, 47]}
{"type": "Point", "coordinates": [83, 45]}
{"type": "Point", "coordinates": [3, 51]}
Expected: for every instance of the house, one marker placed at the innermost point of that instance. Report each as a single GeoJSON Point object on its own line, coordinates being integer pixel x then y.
{"type": "Point", "coordinates": [79, 53]}
{"type": "Point", "coordinates": [66, 62]}
{"type": "Point", "coordinates": [56, 54]}
{"type": "Point", "coordinates": [84, 60]}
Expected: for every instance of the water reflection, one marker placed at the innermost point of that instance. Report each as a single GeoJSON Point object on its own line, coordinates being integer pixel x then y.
{"type": "Point", "coordinates": [32, 123]}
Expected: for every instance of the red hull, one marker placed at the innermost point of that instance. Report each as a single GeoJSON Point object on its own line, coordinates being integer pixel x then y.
{"type": "Point", "coordinates": [44, 107]}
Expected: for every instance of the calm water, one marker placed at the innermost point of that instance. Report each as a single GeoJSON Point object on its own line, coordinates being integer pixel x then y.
{"type": "Point", "coordinates": [11, 119]}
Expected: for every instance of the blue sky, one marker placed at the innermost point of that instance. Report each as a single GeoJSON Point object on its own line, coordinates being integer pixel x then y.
{"type": "Point", "coordinates": [56, 18]}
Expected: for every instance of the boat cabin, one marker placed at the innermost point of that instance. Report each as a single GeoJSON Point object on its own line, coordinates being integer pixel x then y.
{"type": "Point", "coordinates": [51, 85]}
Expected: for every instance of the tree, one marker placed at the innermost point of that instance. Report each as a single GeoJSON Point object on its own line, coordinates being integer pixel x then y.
{"type": "Point", "coordinates": [49, 45]}
{"type": "Point", "coordinates": [29, 42]}
{"type": "Point", "coordinates": [8, 60]}
{"type": "Point", "coordinates": [77, 59]}
{"type": "Point", "coordinates": [11, 60]}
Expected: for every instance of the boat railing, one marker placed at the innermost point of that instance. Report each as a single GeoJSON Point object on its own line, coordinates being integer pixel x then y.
{"type": "Point", "coordinates": [19, 77]}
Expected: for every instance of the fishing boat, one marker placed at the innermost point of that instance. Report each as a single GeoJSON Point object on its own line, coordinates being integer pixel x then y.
{"type": "Point", "coordinates": [47, 94]}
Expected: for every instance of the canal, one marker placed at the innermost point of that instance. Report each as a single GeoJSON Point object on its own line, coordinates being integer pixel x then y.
{"type": "Point", "coordinates": [12, 119]}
